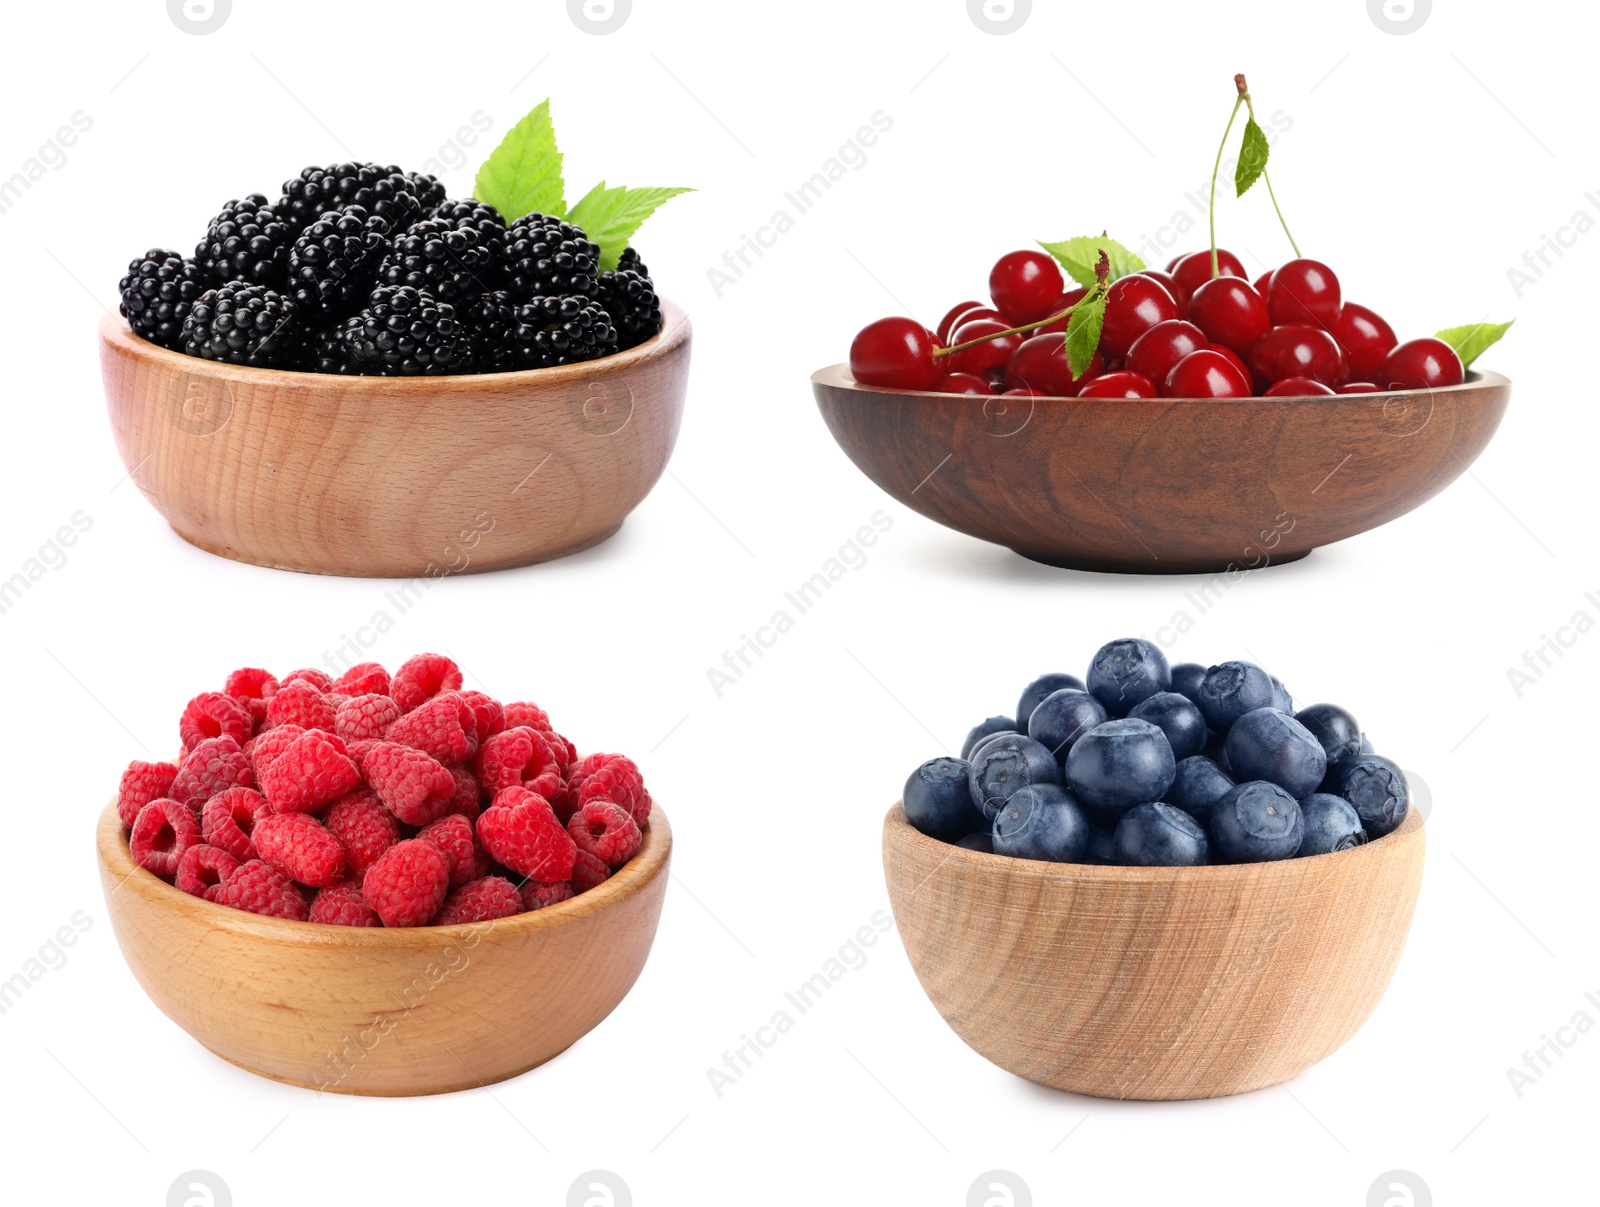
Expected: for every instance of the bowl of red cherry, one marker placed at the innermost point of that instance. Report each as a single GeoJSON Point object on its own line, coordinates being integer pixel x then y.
{"type": "Point", "coordinates": [1098, 414]}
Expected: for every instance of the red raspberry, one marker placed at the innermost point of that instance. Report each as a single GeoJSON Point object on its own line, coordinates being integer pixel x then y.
{"type": "Point", "coordinates": [408, 883]}
{"type": "Point", "coordinates": [252, 687]}
{"type": "Point", "coordinates": [229, 818]}
{"type": "Point", "coordinates": [587, 871]}
{"type": "Point", "coordinates": [312, 772]}
{"type": "Point", "coordinates": [416, 786]}
{"type": "Point", "coordinates": [536, 896]}
{"type": "Point", "coordinates": [607, 831]}
{"type": "Point", "coordinates": [521, 831]}
{"type": "Point", "coordinates": [357, 752]}
{"type": "Point", "coordinates": [211, 715]}
{"type": "Point", "coordinates": [336, 702]}
{"type": "Point", "coordinates": [489, 718]}
{"type": "Point", "coordinates": [269, 744]}
{"type": "Point", "coordinates": [162, 832]}
{"type": "Point", "coordinates": [531, 715]}
{"type": "Point", "coordinates": [299, 703]}
{"type": "Point", "coordinates": [318, 679]}
{"type": "Point", "coordinates": [202, 869]}
{"type": "Point", "coordinates": [211, 767]}
{"type": "Point", "coordinates": [365, 717]}
{"type": "Point", "coordinates": [364, 828]}
{"type": "Point", "coordinates": [519, 757]}
{"type": "Point", "coordinates": [566, 753]}
{"type": "Point", "coordinates": [443, 727]}
{"type": "Point", "coordinates": [468, 794]}
{"type": "Point", "coordinates": [301, 848]}
{"type": "Point", "coordinates": [611, 777]}
{"type": "Point", "coordinates": [142, 783]}
{"type": "Point", "coordinates": [363, 679]}
{"type": "Point", "coordinates": [343, 905]}
{"type": "Point", "coordinates": [453, 835]}
{"type": "Point", "coordinates": [261, 888]}
{"type": "Point", "coordinates": [423, 677]}
{"type": "Point", "coordinates": [480, 901]}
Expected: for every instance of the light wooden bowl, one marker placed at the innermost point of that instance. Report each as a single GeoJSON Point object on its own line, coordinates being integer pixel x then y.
{"type": "Point", "coordinates": [423, 1010]}
{"type": "Point", "coordinates": [1162, 485]}
{"type": "Point", "coordinates": [1153, 983]}
{"type": "Point", "coordinates": [398, 477]}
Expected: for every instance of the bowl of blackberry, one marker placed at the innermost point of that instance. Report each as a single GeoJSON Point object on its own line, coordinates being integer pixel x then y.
{"type": "Point", "coordinates": [1099, 414]}
{"type": "Point", "coordinates": [1156, 881]}
{"type": "Point", "coordinates": [365, 376]}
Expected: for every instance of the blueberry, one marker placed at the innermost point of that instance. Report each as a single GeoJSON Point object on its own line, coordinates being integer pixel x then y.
{"type": "Point", "coordinates": [985, 730]}
{"type": "Point", "coordinates": [1063, 717]}
{"type": "Point", "coordinates": [1232, 689]}
{"type": "Point", "coordinates": [1332, 824]}
{"type": "Point", "coordinates": [1366, 744]}
{"type": "Point", "coordinates": [1266, 744]}
{"type": "Point", "coordinates": [1198, 785]}
{"type": "Point", "coordinates": [1035, 692]}
{"type": "Point", "coordinates": [1101, 848]}
{"type": "Point", "coordinates": [1281, 699]}
{"type": "Point", "coordinates": [939, 803]}
{"type": "Point", "coordinates": [1004, 764]}
{"type": "Point", "coordinates": [1186, 679]}
{"type": "Point", "coordinates": [979, 841]}
{"type": "Point", "coordinates": [1216, 748]}
{"type": "Point", "coordinates": [1336, 729]}
{"type": "Point", "coordinates": [1121, 764]}
{"type": "Point", "coordinates": [1159, 836]}
{"type": "Point", "coordinates": [1042, 822]}
{"type": "Point", "coordinates": [1126, 671]}
{"type": "Point", "coordinates": [1378, 790]}
{"type": "Point", "coordinates": [1256, 822]}
{"type": "Point", "coordinates": [1178, 718]}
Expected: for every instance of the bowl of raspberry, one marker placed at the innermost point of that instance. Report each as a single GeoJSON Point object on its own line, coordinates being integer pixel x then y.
{"type": "Point", "coordinates": [382, 884]}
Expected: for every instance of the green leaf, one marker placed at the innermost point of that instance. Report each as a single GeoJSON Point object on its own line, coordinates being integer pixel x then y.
{"type": "Point", "coordinates": [523, 173]}
{"type": "Point", "coordinates": [610, 216]}
{"type": "Point", "coordinates": [1083, 332]}
{"type": "Point", "coordinates": [1078, 257]}
{"type": "Point", "coordinates": [1253, 152]}
{"type": "Point", "coordinates": [1473, 341]}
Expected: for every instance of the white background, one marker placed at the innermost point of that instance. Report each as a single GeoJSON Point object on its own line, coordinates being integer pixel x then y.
{"type": "Point", "coordinates": [1422, 167]}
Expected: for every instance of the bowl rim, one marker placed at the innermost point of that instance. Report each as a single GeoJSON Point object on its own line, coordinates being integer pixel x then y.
{"type": "Point", "coordinates": [838, 377]}
{"type": "Point", "coordinates": [675, 331]}
{"type": "Point", "coordinates": [897, 829]}
{"type": "Point", "coordinates": [647, 864]}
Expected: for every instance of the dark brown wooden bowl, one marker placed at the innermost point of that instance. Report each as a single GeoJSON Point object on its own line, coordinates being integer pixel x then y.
{"type": "Point", "coordinates": [1162, 485]}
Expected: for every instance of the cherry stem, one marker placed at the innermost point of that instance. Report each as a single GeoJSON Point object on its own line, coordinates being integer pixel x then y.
{"type": "Point", "coordinates": [1245, 97]}
{"type": "Point", "coordinates": [1238, 80]}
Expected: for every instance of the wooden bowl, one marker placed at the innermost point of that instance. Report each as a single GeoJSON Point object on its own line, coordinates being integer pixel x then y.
{"type": "Point", "coordinates": [1153, 983]}
{"type": "Point", "coordinates": [1162, 485]}
{"type": "Point", "coordinates": [423, 1010]}
{"type": "Point", "coordinates": [396, 477]}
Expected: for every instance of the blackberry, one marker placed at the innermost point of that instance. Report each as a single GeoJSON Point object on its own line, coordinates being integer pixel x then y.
{"type": "Point", "coordinates": [247, 241]}
{"type": "Point", "coordinates": [452, 262]}
{"type": "Point", "coordinates": [546, 257]}
{"type": "Point", "coordinates": [383, 190]}
{"type": "Point", "coordinates": [561, 331]}
{"type": "Point", "coordinates": [157, 293]}
{"type": "Point", "coordinates": [629, 297]}
{"type": "Point", "coordinates": [325, 352]}
{"type": "Point", "coordinates": [242, 324]}
{"type": "Point", "coordinates": [334, 262]}
{"type": "Point", "coordinates": [405, 331]}
{"type": "Point", "coordinates": [490, 330]}
{"type": "Point", "coordinates": [630, 259]}
{"type": "Point", "coordinates": [484, 219]}
{"type": "Point", "coordinates": [427, 189]}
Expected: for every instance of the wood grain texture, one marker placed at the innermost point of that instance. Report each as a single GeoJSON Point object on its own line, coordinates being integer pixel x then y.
{"type": "Point", "coordinates": [1154, 983]}
{"type": "Point", "coordinates": [395, 476]}
{"type": "Point", "coordinates": [424, 1010]}
{"type": "Point", "coordinates": [1162, 486]}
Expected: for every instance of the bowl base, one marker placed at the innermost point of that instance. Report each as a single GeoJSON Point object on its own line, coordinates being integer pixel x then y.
{"type": "Point", "coordinates": [470, 1083]}
{"type": "Point", "coordinates": [1154, 566]}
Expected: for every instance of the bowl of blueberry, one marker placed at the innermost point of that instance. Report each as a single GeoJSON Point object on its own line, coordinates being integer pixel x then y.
{"type": "Point", "coordinates": [1156, 881]}
{"type": "Point", "coordinates": [366, 376]}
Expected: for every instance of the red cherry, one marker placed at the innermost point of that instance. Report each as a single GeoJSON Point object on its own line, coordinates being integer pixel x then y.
{"type": "Point", "coordinates": [1230, 312]}
{"type": "Point", "coordinates": [1065, 302]}
{"type": "Point", "coordinates": [1023, 284]}
{"type": "Point", "coordinates": [1421, 364]}
{"type": "Point", "coordinates": [1304, 291]}
{"type": "Point", "coordinates": [1359, 387]}
{"type": "Point", "coordinates": [1205, 374]}
{"type": "Point", "coordinates": [980, 358]}
{"type": "Point", "coordinates": [1121, 384]}
{"type": "Point", "coordinates": [1164, 345]}
{"type": "Point", "coordinates": [1296, 387]}
{"type": "Point", "coordinates": [895, 352]}
{"type": "Point", "coordinates": [1264, 282]}
{"type": "Point", "coordinates": [1194, 270]}
{"type": "Point", "coordinates": [1297, 350]}
{"type": "Point", "coordinates": [1134, 304]}
{"type": "Point", "coordinates": [948, 323]}
{"type": "Point", "coordinates": [1024, 392]}
{"type": "Point", "coordinates": [963, 383]}
{"type": "Point", "coordinates": [1232, 358]}
{"type": "Point", "coordinates": [1365, 338]}
{"type": "Point", "coordinates": [1169, 282]}
{"type": "Point", "coordinates": [1041, 364]}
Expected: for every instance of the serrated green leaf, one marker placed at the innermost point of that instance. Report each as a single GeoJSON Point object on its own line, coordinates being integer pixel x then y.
{"type": "Point", "coordinates": [1253, 152]}
{"type": "Point", "coordinates": [610, 216]}
{"type": "Point", "coordinates": [1473, 341]}
{"type": "Point", "coordinates": [1083, 332]}
{"type": "Point", "coordinates": [1078, 257]}
{"type": "Point", "coordinates": [523, 174]}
